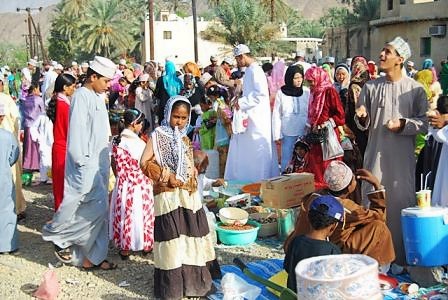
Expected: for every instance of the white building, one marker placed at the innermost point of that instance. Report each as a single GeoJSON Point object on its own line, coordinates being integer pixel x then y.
{"type": "Point", "coordinates": [173, 36]}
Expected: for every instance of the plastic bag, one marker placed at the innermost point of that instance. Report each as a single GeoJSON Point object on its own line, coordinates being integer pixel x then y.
{"type": "Point", "coordinates": [240, 121]}
{"type": "Point", "coordinates": [196, 142]}
{"type": "Point", "coordinates": [235, 287]}
{"type": "Point", "coordinates": [50, 288]}
{"type": "Point", "coordinates": [221, 136]}
{"type": "Point", "coordinates": [331, 148]}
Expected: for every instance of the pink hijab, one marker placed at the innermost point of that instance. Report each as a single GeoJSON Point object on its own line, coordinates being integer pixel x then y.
{"type": "Point", "coordinates": [317, 97]}
{"type": "Point", "coordinates": [277, 78]}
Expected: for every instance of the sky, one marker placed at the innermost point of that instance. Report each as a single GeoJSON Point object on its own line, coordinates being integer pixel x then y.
{"type": "Point", "coordinates": [12, 5]}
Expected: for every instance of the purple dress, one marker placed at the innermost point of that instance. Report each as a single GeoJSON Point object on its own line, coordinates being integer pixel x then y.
{"type": "Point", "coordinates": [32, 107]}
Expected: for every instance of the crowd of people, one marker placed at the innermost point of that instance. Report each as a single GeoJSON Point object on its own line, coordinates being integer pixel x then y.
{"type": "Point", "coordinates": [125, 148]}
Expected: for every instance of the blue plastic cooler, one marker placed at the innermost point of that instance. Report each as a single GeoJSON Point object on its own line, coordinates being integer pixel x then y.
{"type": "Point", "coordinates": [425, 236]}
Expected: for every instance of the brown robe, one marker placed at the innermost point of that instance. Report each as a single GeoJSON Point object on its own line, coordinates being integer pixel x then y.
{"type": "Point", "coordinates": [364, 231]}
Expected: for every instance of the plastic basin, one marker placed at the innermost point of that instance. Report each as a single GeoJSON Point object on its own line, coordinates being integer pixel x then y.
{"type": "Point", "coordinates": [237, 237]}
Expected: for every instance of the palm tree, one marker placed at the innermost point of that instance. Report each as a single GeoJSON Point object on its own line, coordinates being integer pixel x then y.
{"type": "Point", "coordinates": [105, 29]}
{"type": "Point", "coordinates": [245, 22]}
{"type": "Point", "coordinates": [278, 9]}
{"type": "Point", "coordinates": [75, 7]}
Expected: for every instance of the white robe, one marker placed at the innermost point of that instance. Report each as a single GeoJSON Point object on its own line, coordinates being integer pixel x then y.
{"type": "Point", "coordinates": [251, 156]}
{"type": "Point", "coordinates": [390, 156]}
{"type": "Point", "coordinates": [440, 192]}
{"type": "Point", "coordinates": [81, 221]}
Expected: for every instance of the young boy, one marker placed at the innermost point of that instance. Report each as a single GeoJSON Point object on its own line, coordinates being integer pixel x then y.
{"type": "Point", "coordinates": [79, 228]}
{"type": "Point", "coordinates": [324, 214]}
{"type": "Point", "coordinates": [9, 153]}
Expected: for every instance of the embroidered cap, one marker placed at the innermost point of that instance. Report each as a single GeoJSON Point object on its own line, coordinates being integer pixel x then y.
{"type": "Point", "coordinates": [103, 66]}
{"type": "Point", "coordinates": [335, 208]}
{"type": "Point", "coordinates": [338, 176]}
{"type": "Point", "coordinates": [122, 62]}
{"type": "Point", "coordinates": [240, 49]}
{"type": "Point", "coordinates": [401, 47]}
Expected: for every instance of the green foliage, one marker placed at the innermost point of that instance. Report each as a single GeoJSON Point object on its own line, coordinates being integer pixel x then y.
{"type": "Point", "coordinates": [298, 26]}
{"type": "Point", "coordinates": [367, 10]}
{"type": "Point", "coordinates": [245, 22]}
{"type": "Point", "coordinates": [12, 55]}
{"type": "Point", "coordinates": [83, 28]}
{"type": "Point", "coordinates": [335, 17]}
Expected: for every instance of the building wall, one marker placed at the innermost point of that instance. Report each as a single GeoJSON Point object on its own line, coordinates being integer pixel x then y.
{"type": "Point", "coordinates": [412, 32]}
{"type": "Point", "coordinates": [181, 44]}
{"type": "Point", "coordinates": [410, 20]}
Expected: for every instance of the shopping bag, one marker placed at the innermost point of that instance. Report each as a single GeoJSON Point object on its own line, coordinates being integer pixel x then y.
{"type": "Point", "coordinates": [240, 121]}
{"type": "Point", "coordinates": [196, 142]}
{"type": "Point", "coordinates": [221, 136]}
{"type": "Point", "coordinates": [331, 148]}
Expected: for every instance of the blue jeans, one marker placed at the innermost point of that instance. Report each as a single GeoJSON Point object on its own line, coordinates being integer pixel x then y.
{"type": "Point", "coordinates": [287, 149]}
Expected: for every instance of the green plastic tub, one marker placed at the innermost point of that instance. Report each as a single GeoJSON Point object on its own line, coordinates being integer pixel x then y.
{"type": "Point", "coordinates": [238, 237]}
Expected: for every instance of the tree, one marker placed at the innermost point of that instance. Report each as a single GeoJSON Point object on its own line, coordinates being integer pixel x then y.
{"type": "Point", "coordinates": [335, 17]}
{"type": "Point", "coordinates": [104, 29]}
{"type": "Point", "coordinates": [245, 22]}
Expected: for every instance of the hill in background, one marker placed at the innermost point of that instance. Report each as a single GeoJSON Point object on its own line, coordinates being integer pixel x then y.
{"type": "Point", "coordinates": [13, 25]}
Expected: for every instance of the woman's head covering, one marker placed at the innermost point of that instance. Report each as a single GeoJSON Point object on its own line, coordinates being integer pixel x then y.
{"type": "Point", "coordinates": [360, 70]}
{"type": "Point", "coordinates": [172, 84]}
{"type": "Point", "coordinates": [345, 83]}
{"type": "Point", "coordinates": [289, 89]}
{"type": "Point", "coordinates": [192, 68]}
{"type": "Point", "coordinates": [429, 65]}
{"type": "Point", "coordinates": [425, 78]}
{"type": "Point", "coordinates": [321, 82]}
{"type": "Point", "coordinates": [172, 154]}
{"type": "Point", "coordinates": [372, 68]}
{"type": "Point", "coordinates": [277, 78]}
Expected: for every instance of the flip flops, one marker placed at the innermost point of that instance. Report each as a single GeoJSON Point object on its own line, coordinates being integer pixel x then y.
{"type": "Point", "coordinates": [110, 266]}
{"type": "Point", "coordinates": [63, 255]}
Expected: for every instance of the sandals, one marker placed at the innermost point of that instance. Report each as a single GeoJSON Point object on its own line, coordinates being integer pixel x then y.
{"type": "Point", "coordinates": [105, 265]}
{"type": "Point", "coordinates": [63, 255]}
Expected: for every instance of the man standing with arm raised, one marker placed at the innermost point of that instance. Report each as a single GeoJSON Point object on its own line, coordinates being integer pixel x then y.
{"type": "Point", "coordinates": [393, 109]}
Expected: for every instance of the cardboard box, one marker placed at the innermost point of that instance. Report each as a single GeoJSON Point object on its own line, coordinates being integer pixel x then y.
{"type": "Point", "coordinates": [286, 191]}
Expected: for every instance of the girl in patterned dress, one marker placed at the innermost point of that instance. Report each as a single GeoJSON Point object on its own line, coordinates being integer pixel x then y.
{"type": "Point", "coordinates": [184, 257]}
{"type": "Point", "coordinates": [132, 204]}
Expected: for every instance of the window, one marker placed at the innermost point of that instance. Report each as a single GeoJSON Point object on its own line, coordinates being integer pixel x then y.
{"type": "Point", "coordinates": [402, 2]}
{"type": "Point", "coordinates": [167, 35]}
{"type": "Point", "coordinates": [390, 4]}
{"type": "Point", "coordinates": [425, 46]}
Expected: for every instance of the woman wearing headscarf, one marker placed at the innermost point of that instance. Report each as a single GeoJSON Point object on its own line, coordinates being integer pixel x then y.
{"type": "Point", "coordinates": [194, 92]}
{"type": "Point", "coordinates": [184, 257]}
{"type": "Point", "coordinates": [324, 108]}
{"type": "Point", "coordinates": [290, 112]}
{"type": "Point", "coordinates": [342, 80]}
{"type": "Point", "coordinates": [359, 76]}
{"type": "Point", "coordinates": [276, 80]}
{"type": "Point", "coordinates": [435, 87]}
{"type": "Point", "coordinates": [167, 86]}
{"type": "Point", "coordinates": [425, 77]}
{"type": "Point", "coordinates": [355, 140]}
